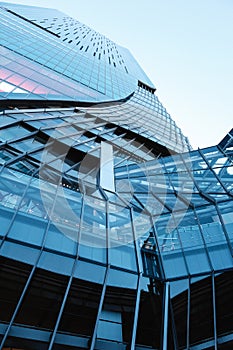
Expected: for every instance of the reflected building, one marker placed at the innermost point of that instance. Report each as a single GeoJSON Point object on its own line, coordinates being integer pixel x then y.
{"type": "Point", "coordinates": [115, 234]}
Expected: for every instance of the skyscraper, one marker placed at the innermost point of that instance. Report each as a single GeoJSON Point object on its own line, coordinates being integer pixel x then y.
{"type": "Point", "coordinates": [114, 233]}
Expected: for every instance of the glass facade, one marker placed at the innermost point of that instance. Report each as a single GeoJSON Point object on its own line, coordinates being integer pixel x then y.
{"type": "Point", "coordinates": [114, 233]}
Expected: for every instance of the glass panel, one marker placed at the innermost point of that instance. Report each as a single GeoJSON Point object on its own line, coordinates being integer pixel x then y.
{"type": "Point", "coordinates": [142, 226]}
{"type": "Point", "coordinates": [12, 188]}
{"type": "Point", "coordinates": [5, 156]}
{"type": "Point", "coordinates": [226, 176]}
{"type": "Point", "coordinates": [192, 242]}
{"type": "Point", "coordinates": [179, 303]}
{"type": "Point", "coordinates": [13, 132]}
{"type": "Point", "coordinates": [226, 210]}
{"type": "Point", "coordinates": [42, 301]}
{"type": "Point", "coordinates": [93, 230]}
{"type": "Point", "coordinates": [65, 220]}
{"type": "Point", "coordinates": [34, 201]}
{"type": "Point", "coordinates": [201, 310]}
{"type": "Point", "coordinates": [121, 240]}
{"type": "Point", "coordinates": [81, 308]}
{"type": "Point", "coordinates": [29, 229]}
{"type": "Point", "coordinates": [224, 305]}
{"type": "Point", "coordinates": [215, 239]}
{"type": "Point", "coordinates": [116, 319]}
{"type": "Point", "coordinates": [170, 247]}
{"type": "Point", "coordinates": [149, 326]}
{"type": "Point", "coordinates": [13, 276]}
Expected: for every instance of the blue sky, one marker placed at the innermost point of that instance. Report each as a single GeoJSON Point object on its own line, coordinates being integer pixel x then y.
{"type": "Point", "coordinates": [185, 47]}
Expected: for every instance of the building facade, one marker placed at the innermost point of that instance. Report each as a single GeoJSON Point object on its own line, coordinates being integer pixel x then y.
{"type": "Point", "coordinates": [114, 233]}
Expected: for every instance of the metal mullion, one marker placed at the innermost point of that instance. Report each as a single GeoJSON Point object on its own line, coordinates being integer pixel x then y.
{"type": "Point", "coordinates": [142, 206]}
{"type": "Point", "coordinates": [214, 313]}
{"type": "Point", "coordinates": [176, 194]}
{"type": "Point", "coordinates": [138, 256]}
{"type": "Point", "coordinates": [87, 174]}
{"type": "Point", "coordinates": [161, 202]}
{"type": "Point", "coordinates": [60, 138]}
{"type": "Point", "coordinates": [27, 119]}
{"type": "Point", "coordinates": [223, 151]}
{"type": "Point", "coordinates": [203, 239]}
{"type": "Point", "coordinates": [212, 170]}
{"type": "Point", "coordinates": [53, 335]}
{"type": "Point", "coordinates": [80, 225]}
{"type": "Point", "coordinates": [22, 138]}
{"type": "Point", "coordinates": [183, 199]}
{"type": "Point", "coordinates": [160, 257]}
{"type": "Point", "coordinates": [16, 211]}
{"type": "Point", "coordinates": [116, 137]}
{"type": "Point", "coordinates": [85, 121]}
{"type": "Point", "coordinates": [136, 314]}
{"type": "Point", "coordinates": [72, 167]}
{"type": "Point", "coordinates": [224, 228]}
{"type": "Point", "coordinates": [76, 143]}
{"type": "Point", "coordinates": [93, 339]}
{"type": "Point", "coordinates": [44, 164]}
{"type": "Point", "coordinates": [188, 315]}
{"type": "Point", "coordinates": [25, 158]}
{"type": "Point", "coordinates": [120, 149]}
{"type": "Point", "coordinates": [29, 279]}
{"type": "Point", "coordinates": [20, 301]}
{"type": "Point", "coordinates": [54, 159]}
{"type": "Point", "coordinates": [107, 233]}
{"type": "Point", "coordinates": [192, 177]}
{"type": "Point", "coordinates": [181, 245]}
{"type": "Point", "coordinates": [165, 315]}
{"type": "Point", "coordinates": [59, 126]}
{"type": "Point", "coordinates": [120, 197]}
{"type": "Point", "coordinates": [13, 160]}
{"type": "Point", "coordinates": [106, 131]}
{"type": "Point", "coordinates": [206, 196]}
{"type": "Point", "coordinates": [39, 148]}
{"type": "Point", "coordinates": [4, 144]}
{"type": "Point", "coordinates": [149, 168]}
{"type": "Point", "coordinates": [11, 123]}
{"type": "Point", "coordinates": [25, 137]}
{"type": "Point", "coordinates": [174, 332]}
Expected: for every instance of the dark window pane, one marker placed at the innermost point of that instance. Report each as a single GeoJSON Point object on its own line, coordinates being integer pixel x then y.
{"type": "Point", "coordinates": [13, 277]}
{"type": "Point", "coordinates": [81, 308]}
{"type": "Point", "coordinates": [43, 300]}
